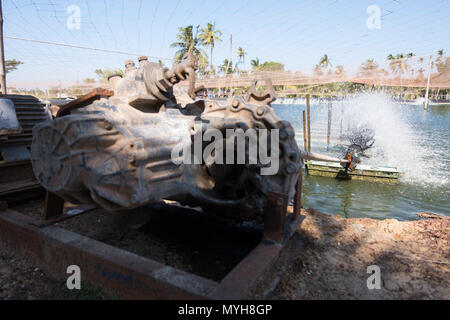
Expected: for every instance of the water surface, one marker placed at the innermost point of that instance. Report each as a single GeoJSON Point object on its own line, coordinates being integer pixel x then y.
{"type": "Point", "coordinates": [415, 141]}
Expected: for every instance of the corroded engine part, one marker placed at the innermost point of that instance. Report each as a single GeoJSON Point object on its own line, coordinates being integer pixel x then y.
{"type": "Point", "coordinates": [18, 115]}
{"type": "Point", "coordinates": [117, 152]}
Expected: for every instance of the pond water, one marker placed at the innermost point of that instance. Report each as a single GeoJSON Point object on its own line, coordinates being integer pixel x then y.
{"type": "Point", "coordinates": [415, 141]}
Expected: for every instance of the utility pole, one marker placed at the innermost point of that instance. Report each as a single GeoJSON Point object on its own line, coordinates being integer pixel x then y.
{"type": "Point", "coordinates": [425, 105]}
{"type": "Point", "coordinates": [231, 47]}
{"type": "Point", "coordinates": [2, 55]}
{"type": "Point", "coordinates": [231, 54]}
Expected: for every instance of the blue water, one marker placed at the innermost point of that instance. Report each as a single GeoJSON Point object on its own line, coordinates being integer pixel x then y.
{"type": "Point", "coordinates": [415, 141]}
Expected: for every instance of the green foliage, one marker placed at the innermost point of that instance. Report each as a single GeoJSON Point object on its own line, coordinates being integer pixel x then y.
{"type": "Point", "coordinates": [11, 65]}
{"type": "Point", "coordinates": [324, 62]}
{"type": "Point", "coordinates": [226, 67]}
{"type": "Point", "coordinates": [266, 66]}
{"type": "Point", "coordinates": [188, 42]}
{"type": "Point", "coordinates": [368, 68]}
{"type": "Point", "coordinates": [443, 65]}
{"type": "Point", "coordinates": [105, 74]}
{"type": "Point", "coordinates": [254, 63]}
{"type": "Point", "coordinates": [209, 36]}
{"type": "Point", "coordinates": [89, 80]}
{"type": "Point", "coordinates": [271, 66]}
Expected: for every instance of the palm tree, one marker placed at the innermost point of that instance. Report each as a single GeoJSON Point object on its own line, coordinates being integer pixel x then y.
{"type": "Point", "coordinates": [11, 65]}
{"type": "Point", "coordinates": [339, 71]}
{"type": "Point", "coordinates": [318, 71]}
{"type": "Point", "coordinates": [440, 55]}
{"type": "Point", "coordinates": [188, 42]}
{"type": "Point", "coordinates": [209, 36]}
{"type": "Point", "coordinates": [407, 67]}
{"type": "Point", "coordinates": [226, 67]}
{"type": "Point", "coordinates": [254, 63]}
{"type": "Point", "coordinates": [105, 74]}
{"type": "Point", "coordinates": [241, 54]}
{"type": "Point", "coordinates": [368, 68]}
{"type": "Point", "coordinates": [394, 63]}
{"type": "Point", "coordinates": [402, 67]}
{"type": "Point", "coordinates": [324, 62]}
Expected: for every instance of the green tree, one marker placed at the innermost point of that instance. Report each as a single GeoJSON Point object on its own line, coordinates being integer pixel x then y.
{"type": "Point", "coordinates": [324, 62]}
{"type": "Point", "coordinates": [203, 65]}
{"type": "Point", "coordinates": [271, 66]}
{"type": "Point", "coordinates": [103, 75]}
{"type": "Point", "coordinates": [368, 68]}
{"type": "Point", "coordinates": [396, 64]}
{"type": "Point", "coordinates": [209, 36]}
{"type": "Point", "coordinates": [241, 54]}
{"type": "Point", "coordinates": [89, 80]}
{"type": "Point", "coordinates": [339, 71]}
{"type": "Point", "coordinates": [439, 59]}
{"type": "Point", "coordinates": [11, 65]}
{"type": "Point", "coordinates": [188, 42]}
{"type": "Point", "coordinates": [317, 71]}
{"type": "Point", "coordinates": [226, 67]}
{"type": "Point", "coordinates": [255, 63]}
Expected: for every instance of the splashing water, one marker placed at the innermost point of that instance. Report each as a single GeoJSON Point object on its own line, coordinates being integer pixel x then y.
{"type": "Point", "coordinates": [397, 142]}
{"type": "Point", "coordinates": [415, 141]}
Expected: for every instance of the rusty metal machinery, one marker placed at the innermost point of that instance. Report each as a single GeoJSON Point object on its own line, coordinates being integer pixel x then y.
{"type": "Point", "coordinates": [16, 174]}
{"type": "Point", "coordinates": [116, 152]}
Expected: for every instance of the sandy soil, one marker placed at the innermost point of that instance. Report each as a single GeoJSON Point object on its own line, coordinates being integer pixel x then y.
{"type": "Point", "coordinates": [327, 258]}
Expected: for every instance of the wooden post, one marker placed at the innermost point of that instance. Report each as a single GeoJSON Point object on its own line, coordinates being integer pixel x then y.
{"type": "Point", "coordinates": [308, 115]}
{"type": "Point", "coordinates": [231, 54]}
{"type": "Point", "coordinates": [425, 105]}
{"type": "Point", "coordinates": [330, 106]}
{"type": "Point", "coordinates": [2, 55]}
{"type": "Point", "coordinates": [53, 207]}
{"type": "Point", "coordinates": [298, 195]}
{"type": "Point", "coordinates": [305, 139]}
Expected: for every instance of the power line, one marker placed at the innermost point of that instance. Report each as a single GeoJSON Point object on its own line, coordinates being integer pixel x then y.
{"type": "Point", "coordinates": [84, 47]}
{"type": "Point", "coordinates": [123, 24]}
{"type": "Point", "coordinates": [151, 26]}
{"type": "Point", "coordinates": [167, 23]}
{"type": "Point", "coordinates": [137, 25]}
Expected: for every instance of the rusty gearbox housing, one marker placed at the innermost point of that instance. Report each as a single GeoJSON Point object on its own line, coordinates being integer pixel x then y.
{"type": "Point", "coordinates": [116, 152]}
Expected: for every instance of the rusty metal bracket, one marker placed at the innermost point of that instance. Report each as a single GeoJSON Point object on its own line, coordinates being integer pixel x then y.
{"type": "Point", "coordinates": [54, 210]}
{"type": "Point", "coordinates": [53, 206]}
{"type": "Point", "coordinates": [261, 98]}
{"type": "Point", "coordinates": [298, 195]}
{"type": "Point", "coordinates": [85, 100]}
{"type": "Point", "coordinates": [275, 217]}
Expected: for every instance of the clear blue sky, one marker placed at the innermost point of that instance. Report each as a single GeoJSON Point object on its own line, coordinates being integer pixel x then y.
{"type": "Point", "coordinates": [294, 32]}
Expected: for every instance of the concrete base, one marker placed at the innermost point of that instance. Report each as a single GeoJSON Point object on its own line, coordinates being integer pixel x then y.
{"type": "Point", "coordinates": [125, 275]}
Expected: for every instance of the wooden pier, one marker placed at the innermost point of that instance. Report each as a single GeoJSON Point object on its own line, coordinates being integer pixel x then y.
{"type": "Point", "coordinates": [362, 172]}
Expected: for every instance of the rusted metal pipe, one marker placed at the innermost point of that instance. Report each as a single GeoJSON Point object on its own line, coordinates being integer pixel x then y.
{"type": "Point", "coordinates": [319, 157]}
{"type": "Point", "coordinates": [308, 113]}
{"type": "Point", "coordinates": [304, 132]}
{"type": "Point", "coordinates": [330, 106]}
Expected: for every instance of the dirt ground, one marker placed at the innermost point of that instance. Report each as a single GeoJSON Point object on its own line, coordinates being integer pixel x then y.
{"type": "Point", "coordinates": [327, 258]}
